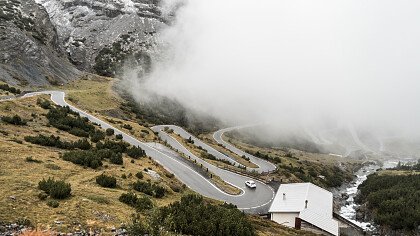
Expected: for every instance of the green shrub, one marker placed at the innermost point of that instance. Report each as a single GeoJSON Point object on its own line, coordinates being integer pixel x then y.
{"type": "Point", "coordinates": [83, 158]}
{"type": "Point", "coordinates": [128, 198]}
{"type": "Point", "coordinates": [127, 126]}
{"type": "Point", "coordinates": [109, 132]}
{"type": "Point", "coordinates": [52, 203]}
{"type": "Point", "coordinates": [97, 136]}
{"type": "Point", "coordinates": [106, 181]}
{"type": "Point", "coordinates": [11, 89]}
{"type": "Point", "coordinates": [55, 141]}
{"type": "Point", "coordinates": [136, 152]}
{"type": "Point", "coordinates": [192, 216]}
{"type": "Point", "coordinates": [14, 120]}
{"type": "Point", "coordinates": [139, 175]}
{"type": "Point", "coordinates": [393, 200]}
{"type": "Point", "coordinates": [65, 119]}
{"type": "Point", "coordinates": [31, 159]}
{"type": "Point", "coordinates": [116, 158]}
{"type": "Point", "coordinates": [119, 136]}
{"type": "Point", "coordinates": [116, 146]}
{"type": "Point", "coordinates": [45, 104]}
{"type": "Point", "coordinates": [55, 189]}
{"type": "Point", "coordinates": [149, 189]}
{"type": "Point", "coordinates": [141, 204]}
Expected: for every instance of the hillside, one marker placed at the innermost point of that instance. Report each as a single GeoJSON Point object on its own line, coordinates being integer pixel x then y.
{"type": "Point", "coordinates": [27, 161]}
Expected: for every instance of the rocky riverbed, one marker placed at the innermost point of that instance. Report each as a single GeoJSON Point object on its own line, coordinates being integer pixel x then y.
{"type": "Point", "coordinates": [346, 194]}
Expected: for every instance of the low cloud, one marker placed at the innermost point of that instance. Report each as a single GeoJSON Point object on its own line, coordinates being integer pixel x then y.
{"type": "Point", "coordinates": [297, 65]}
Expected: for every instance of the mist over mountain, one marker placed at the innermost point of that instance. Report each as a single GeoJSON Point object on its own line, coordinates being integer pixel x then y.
{"type": "Point", "coordinates": [331, 72]}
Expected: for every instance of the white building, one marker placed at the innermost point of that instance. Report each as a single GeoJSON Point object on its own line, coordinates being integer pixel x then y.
{"type": "Point", "coordinates": [306, 206]}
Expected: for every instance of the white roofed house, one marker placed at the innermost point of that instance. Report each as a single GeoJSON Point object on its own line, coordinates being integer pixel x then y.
{"type": "Point", "coordinates": [304, 206]}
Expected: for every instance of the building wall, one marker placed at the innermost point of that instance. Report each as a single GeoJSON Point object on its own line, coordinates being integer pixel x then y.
{"type": "Point", "coordinates": [285, 218]}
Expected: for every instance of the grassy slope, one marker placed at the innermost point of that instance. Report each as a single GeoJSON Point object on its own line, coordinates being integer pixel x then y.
{"type": "Point", "coordinates": [315, 162]}
{"type": "Point", "coordinates": [90, 204]}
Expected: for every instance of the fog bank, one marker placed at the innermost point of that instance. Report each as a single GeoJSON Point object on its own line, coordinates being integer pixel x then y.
{"type": "Point", "coordinates": [298, 65]}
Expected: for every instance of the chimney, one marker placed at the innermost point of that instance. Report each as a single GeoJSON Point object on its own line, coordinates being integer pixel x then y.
{"type": "Point", "coordinates": [306, 204]}
{"type": "Point", "coordinates": [284, 196]}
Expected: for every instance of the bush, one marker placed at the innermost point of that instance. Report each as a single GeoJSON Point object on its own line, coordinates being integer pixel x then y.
{"type": "Point", "coordinates": [54, 141]}
{"type": "Point", "coordinates": [11, 89]}
{"type": "Point", "coordinates": [116, 158]}
{"type": "Point", "coordinates": [139, 175]}
{"type": "Point", "coordinates": [65, 119]}
{"type": "Point", "coordinates": [109, 132]}
{"type": "Point", "coordinates": [82, 144]}
{"type": "Point", "coordinates": [14, 120]}
{"type": "Point", "coordinates": [144, 203]}
{"type": "Point", "coordinates": [53, 203]}
{"type": "Point", "coordinates": [127, 126]}
{"type": "Point", "coordinates": [97, 136]}
{"type": "Point", "coordinates": [55, 189]}
{"type": "Point", "coordinates": [149, 189]}
{"type": "Point", "coordinates": [120, 146]}
{"type": "Point", "coordinates": [31, 159]}
{"type": "Point", "coordinates": [83, 158]}
{"type": "Point", "coordinates": [119, 136]}
{"type": "Point", "coordinates": [136, 152]}
{"type": "Point", "coordinates": [106, 181]}
{"type": "Point", "coordinates": [43, 103]}
{"type": "Point", "coordinates": [141, 204]}
{"type": "Point", "coordinates": [192, 216]}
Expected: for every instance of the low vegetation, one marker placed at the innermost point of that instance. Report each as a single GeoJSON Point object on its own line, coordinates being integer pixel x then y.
{"type": "Point", "coordinates": [55, 141]}
{"type": "Point", "coordinates": [14, 120]}
{"type": "Point", "coordinates": [106, 181]}
{"type": "Point", "coordinates": [11, 89]}
{"type": "Point", "coordinates": [136, 152]}
{"type": "Point", "coordinates": [56, 189]}
{"type": "Point", "coordinates": [393, 200]}
{"type": "Point", "coordinates": [65, 119]}
{"type": "Point", "coordinates": [149, 189]}
{"type": "Point", "coordinates": [193, 216]}
{"type": "Point", "coordinates": [139, 203]}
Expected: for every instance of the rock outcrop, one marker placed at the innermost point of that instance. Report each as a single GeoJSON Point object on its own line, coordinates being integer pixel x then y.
{"type": "Point", "coordinates": [30, 52]}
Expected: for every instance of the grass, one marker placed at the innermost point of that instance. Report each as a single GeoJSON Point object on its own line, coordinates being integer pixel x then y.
{"type": "Point", "coordinates": [92, 93]}
{"type": "Point", "coordinates": [313, 164]}
{"type": "Point", "coordinates": [95, 94]}
{"type": "Point", "coordinates": [90, 205]}
{"type": "Point", "coordinates": [20, 177]}
{"type": "Point", "coordinates": [208, 138]}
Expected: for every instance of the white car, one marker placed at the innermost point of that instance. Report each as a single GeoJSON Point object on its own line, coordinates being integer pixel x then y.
{"type": "Point", "coordinates": [250, 184]}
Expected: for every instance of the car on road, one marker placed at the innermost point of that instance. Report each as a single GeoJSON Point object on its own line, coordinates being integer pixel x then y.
{"type": "Point", "coordinates": [250, 184]}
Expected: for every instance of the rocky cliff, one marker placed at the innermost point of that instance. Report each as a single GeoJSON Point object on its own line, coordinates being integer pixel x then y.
{"type": "Point", "coordinates": [30, 52]}
{"type": "Point", "coordinates": [53, 41]}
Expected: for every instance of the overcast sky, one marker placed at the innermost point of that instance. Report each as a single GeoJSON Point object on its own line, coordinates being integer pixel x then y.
{"type": "Point", "coordinates": [298, 62]}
